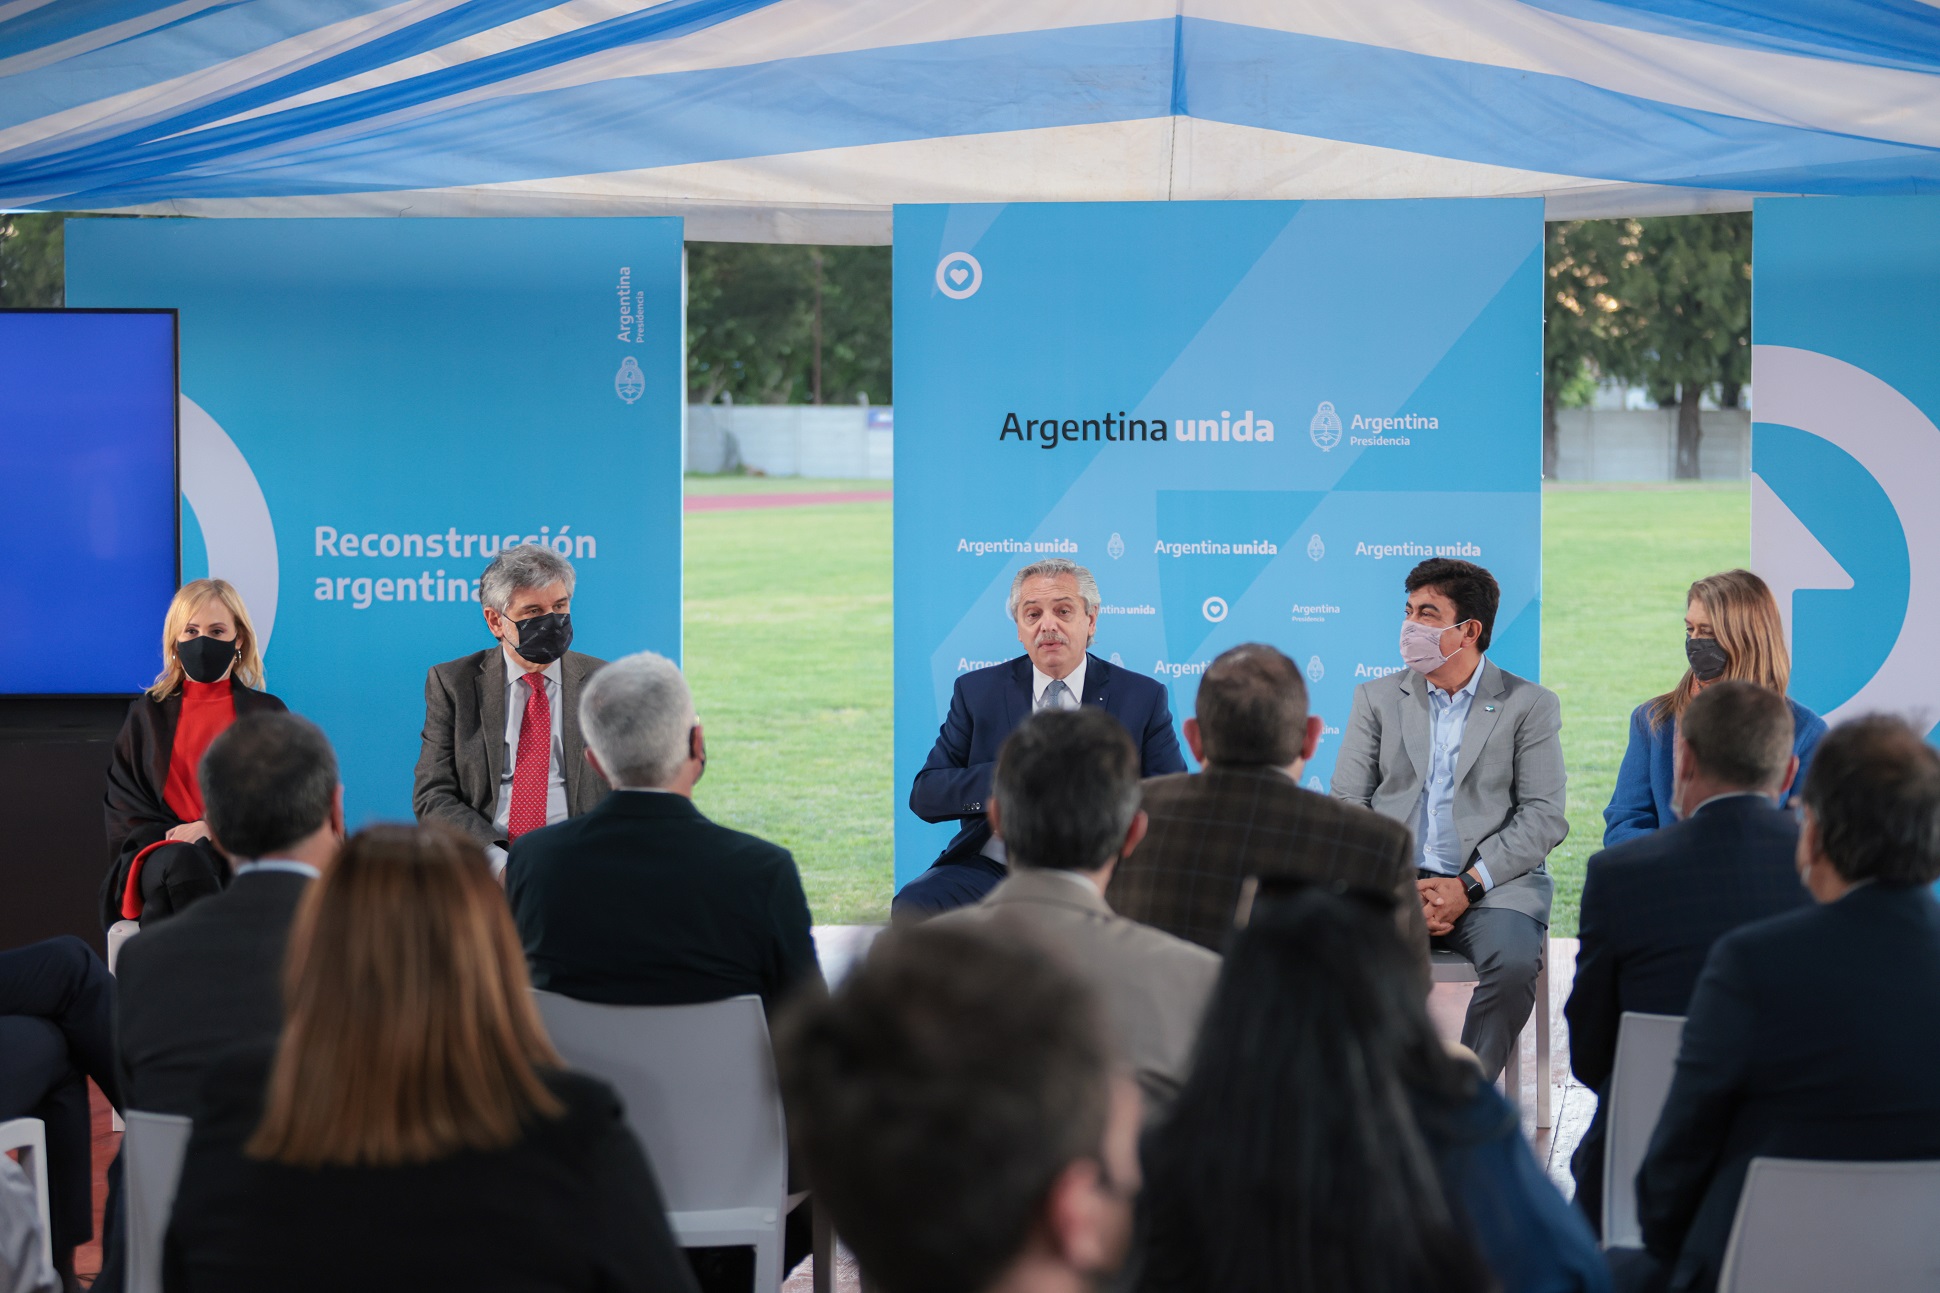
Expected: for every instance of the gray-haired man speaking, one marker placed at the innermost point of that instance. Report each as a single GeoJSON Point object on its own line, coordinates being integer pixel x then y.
{"type": "Point", "coordinates": [1055, 606]}
{"type": "Point", "coordinates": [502, 753]}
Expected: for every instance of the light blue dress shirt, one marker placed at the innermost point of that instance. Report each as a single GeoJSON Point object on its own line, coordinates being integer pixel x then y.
{"type": "Point", "coordinates": [1441, 845]}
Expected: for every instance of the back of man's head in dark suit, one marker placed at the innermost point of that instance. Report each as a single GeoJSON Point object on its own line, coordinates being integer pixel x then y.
{"type": "Point", "coordinates": [1740, 733]}
{"type": "Point", "coordinates": [1252, 708]}
{"type": "Point", "coordinates": [1066, 790]}
{"type": "Point", "coordinates": [954, 1107]}
{"type": "Point", "coordinates": [1874, 795]}
{"type": "Point", "coordinates": [268, 782]}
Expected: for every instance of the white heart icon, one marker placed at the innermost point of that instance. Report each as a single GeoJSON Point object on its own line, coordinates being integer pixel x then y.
{"type": "Point", "coordinates": [958, 274]}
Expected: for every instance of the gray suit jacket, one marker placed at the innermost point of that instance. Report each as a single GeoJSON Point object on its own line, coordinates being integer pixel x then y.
{"type": "Point", "coordinates": [1154, 987]}
{"type": "Point", "coordinates": [1508, 781]}
{"type": "Point", "coordinates": [463, 754]}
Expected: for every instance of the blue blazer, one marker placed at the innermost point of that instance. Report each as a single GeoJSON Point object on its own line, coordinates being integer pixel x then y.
{"type": "Point", "coordinates": [1641, 802]}
{"type": "Point", "coordinates": [1809, 1036]}
{"type": "Point", "coordinates": [1652, 908]}
{"type": "Point", "coordinates": [1528, 1234]}
{"type": "Point", "coordinates": [987, 706]}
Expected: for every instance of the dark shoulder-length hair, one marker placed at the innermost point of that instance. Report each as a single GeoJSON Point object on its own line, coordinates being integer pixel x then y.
{"type": "Point", "coordinates": [1293, 1160]}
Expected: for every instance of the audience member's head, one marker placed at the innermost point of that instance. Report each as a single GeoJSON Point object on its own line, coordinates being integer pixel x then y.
{"type": "Point", "coordinates": [955, 1105]}
{"type": "Point", "coordinates": [1872, 808]}
{"type": "Point", "coordinates": [1735, 736]}
{"type": "Point", "coordinates": [1251, 711]}
{"type": "Point", "coordinates": [410, 1032]}
{"type": "Point", "coordinates": [1294, 1157]}
{"type": "Point", "coordinates": [1066, 791]}
{"type": "Point", "coordinates": [269, 789]}
{"type": "Point", "coordinates": [640, 727]}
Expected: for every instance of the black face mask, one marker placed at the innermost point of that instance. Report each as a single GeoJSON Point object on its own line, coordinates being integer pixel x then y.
{"type": "Point", "coordinates": [205, 659]}
{"type": "Point", "coordinates": [1708, 659]}
{"type": "Point", "coordinates": [544, 638]}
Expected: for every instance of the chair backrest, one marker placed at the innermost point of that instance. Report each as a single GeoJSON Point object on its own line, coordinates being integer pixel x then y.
{"type": "Point", "coordinates": [29, 1136]}
{"type": "Point", "coordinates": [1805, 1225]}
{"type": "Point", "coordinates": [699, 1087]}
{"type": "Point", "coordinates": [118, 933]}
{"type": "Point", "coordinates": [151, 1164]}
{"type": "Point", "coordinates": [1639, 1081]}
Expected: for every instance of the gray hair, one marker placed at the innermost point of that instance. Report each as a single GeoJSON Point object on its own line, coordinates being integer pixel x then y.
{"type": "Point", "coordinates": [636, 714]}
{"type": "Point", "coordinates": [1051, 568]}
{"type": "Point", "coordinates": [529, 565]}
{"type": "Point", "coordinates": [1067, 787]}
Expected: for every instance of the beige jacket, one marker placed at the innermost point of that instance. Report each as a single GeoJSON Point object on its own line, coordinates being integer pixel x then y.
{"type": "Point", "coordinates": [1154, 987]}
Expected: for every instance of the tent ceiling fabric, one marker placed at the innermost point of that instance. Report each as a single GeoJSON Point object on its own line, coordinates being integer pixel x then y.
{"type": "Point", "coordinates": [805, 120]}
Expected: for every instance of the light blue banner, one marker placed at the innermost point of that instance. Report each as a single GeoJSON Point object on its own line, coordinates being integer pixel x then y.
{"type": "Point", "coordinates": [1249, 419]}
{"type": "Point", "coordinates": [1845, 451]}
{"type": "Point", "coordinates": [372, 408]}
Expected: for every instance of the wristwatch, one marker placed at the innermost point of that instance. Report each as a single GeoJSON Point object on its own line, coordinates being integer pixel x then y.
{"type": "Point", "coordinates": [1472, 887]}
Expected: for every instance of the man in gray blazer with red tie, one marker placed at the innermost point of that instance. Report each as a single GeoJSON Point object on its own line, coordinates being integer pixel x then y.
{"type": "Point", "coordinates": [1470, 758]}
{"type": "Point", "coordinates": [502, 752]}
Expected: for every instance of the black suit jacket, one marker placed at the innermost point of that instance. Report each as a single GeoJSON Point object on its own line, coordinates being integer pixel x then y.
{"type": "Point", "coordinates": [987, 705]}
{"type": "Point", "coordinates": [199, 984]}
{"type": "Point", "coordinates": [645, 902]}
{"type": "Point", "coordinates": [461, 755]}
{"type": "Point", "coordinates": [134, 811]}
{"type": "Point", "coordinates": [573, 1206]}
{"type": "Point", "coordinates": [1652, 907]}
{"type": "Point", "coordinates": [1809, 1036]}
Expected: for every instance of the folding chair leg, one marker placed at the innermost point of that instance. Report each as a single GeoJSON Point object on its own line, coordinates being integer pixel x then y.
{"type": "Point", "coordinates": [824, 1240]}
{"type": "Point", "coordinates": [1545, 1075]}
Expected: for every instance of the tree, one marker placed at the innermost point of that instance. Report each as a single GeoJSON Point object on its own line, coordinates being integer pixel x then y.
{"type": "Point", "coordinates": [1589, 323]}
{"type": "Point", "coordinates": [1693, 293]}
{"type": "Point", "coordinates": [31, 270]}
{"type": "Point", "coordinates": [771, 324]}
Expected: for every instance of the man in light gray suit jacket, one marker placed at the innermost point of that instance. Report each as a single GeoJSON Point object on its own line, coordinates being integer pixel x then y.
{"type": "Point", "coordinates": [502, 752]}
{"type": "Point", "coordinates": [1065, 801]}
{"type": "Point", "coordinates": [1471, 759]}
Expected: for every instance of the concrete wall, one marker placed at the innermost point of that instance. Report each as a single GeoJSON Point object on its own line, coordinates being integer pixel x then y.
{"type": "Point", "coordinates": [1641, 444]}
{"type": "Point", "coordinates": [829, 440]}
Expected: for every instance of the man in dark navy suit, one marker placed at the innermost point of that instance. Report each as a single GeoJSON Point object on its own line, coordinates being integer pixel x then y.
{"type": "Point", "coordinates": [1055, 606]}
{"type": "Point", "coordinates": [1809, 1034]}
{"type": "Point", "coordinates": [1653, 905]}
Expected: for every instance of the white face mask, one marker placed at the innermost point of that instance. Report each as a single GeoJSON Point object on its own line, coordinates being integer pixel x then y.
{"type": "Point", "coordinates": [1421, 646]}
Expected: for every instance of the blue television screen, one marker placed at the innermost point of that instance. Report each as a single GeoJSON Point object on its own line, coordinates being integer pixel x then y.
{"type": "Point", "coordinates": [87, 496]}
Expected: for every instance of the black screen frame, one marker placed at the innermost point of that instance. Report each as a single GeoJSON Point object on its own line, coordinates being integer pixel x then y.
{"type": "Point", "coordinates": [175, 441]}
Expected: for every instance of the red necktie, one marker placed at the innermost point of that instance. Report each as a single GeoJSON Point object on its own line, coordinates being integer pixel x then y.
{"type": "Point", "coordinates": [532, 764]}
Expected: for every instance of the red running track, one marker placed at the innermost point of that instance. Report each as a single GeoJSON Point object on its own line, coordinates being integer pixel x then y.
{"type": "Point", "coordinates": [739, 502]}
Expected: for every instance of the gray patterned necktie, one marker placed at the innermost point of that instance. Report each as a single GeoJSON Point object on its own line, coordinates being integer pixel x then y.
{"type": "Point", "coordinates": [1056, 696]}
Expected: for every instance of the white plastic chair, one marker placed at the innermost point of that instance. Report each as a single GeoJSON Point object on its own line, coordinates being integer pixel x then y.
{"type": "Point", "coordinates": [29, 1136]}
{"type": "Point", "coordinates": [1640, 1079]}
{"type": "Point", "coordinates": [118, 933]}
{"type": "Point", "coordinates": [1453, 967]}
{"type": "Point", "coordinates": [1805, 1226]}
{"type": "Point", "coordinates": [151, 1165]}
{"type": "Point", "coordinates": [699, 1087]}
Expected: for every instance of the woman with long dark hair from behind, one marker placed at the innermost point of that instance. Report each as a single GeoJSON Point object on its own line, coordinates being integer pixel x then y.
{"type": "Point", "coordinates": [413, 1128]}
{"type": "Point", "coordinates": [1328, 1142]}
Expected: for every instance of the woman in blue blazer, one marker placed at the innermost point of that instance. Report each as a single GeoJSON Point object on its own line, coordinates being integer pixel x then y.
{"type": "Point", "coordinates": [1731, 630]}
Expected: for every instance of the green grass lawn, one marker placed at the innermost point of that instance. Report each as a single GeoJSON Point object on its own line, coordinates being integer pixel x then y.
{"type": "Point", "coordinates": [1616, 564]}
{"type": "Point", "coordinates": [788, 651]}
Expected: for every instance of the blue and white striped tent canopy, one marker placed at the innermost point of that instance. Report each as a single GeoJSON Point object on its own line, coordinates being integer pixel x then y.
{"type": "Point", "coordinates": [804, 120]}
